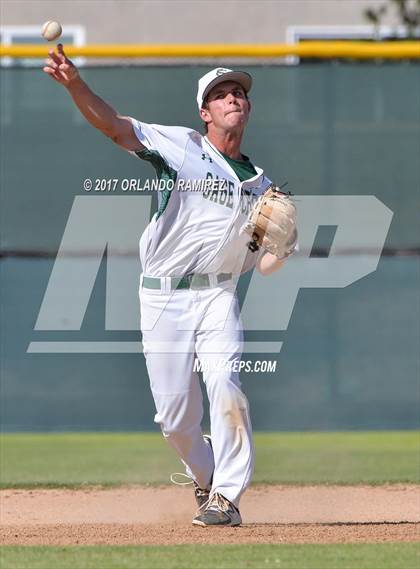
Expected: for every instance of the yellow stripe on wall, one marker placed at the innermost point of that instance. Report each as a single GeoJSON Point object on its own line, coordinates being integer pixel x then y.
{"type": "Point", "coordinates": [319, 49]}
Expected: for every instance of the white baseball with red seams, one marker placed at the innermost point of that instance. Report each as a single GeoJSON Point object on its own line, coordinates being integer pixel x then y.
{"type": "Point", "coordinates": [51, 30]}
{"type": "Point", "coordinates": [197, 232]}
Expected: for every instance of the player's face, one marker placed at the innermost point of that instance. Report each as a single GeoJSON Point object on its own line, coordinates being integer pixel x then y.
{"type": "Point", "coordinates": [227, 106]}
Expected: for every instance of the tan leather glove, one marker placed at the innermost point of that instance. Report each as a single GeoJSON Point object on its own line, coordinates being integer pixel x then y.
{"type": "Point", "coordinates": [271, 223]}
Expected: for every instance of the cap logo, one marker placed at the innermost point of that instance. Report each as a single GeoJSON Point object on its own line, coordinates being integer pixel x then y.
{"type": "Point", "coordinates": [221, 71]}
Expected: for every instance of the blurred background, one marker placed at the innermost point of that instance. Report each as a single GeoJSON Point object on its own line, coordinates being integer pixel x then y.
{"type": "Point", "coordinates": [231, 21]}
{"type": "Point", "coordinates": [350, 356]}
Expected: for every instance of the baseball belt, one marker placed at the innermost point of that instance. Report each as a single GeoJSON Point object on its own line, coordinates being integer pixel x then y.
{"type": "Point", "coordinates": [196, 281]}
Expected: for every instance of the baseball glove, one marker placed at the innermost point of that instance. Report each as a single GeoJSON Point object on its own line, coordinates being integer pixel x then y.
{"type": "Point", "coordinates": [271, 223]}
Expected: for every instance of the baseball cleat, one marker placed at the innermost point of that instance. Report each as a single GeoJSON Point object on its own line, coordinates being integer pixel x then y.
{"type": "Point", "coordinates": [201, 496]}
{"type": "Point", "coordinates": [218, 512]}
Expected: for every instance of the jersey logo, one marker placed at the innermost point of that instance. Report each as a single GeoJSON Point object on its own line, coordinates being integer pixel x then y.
{"type": "Point", "coordinates": [205, 156]}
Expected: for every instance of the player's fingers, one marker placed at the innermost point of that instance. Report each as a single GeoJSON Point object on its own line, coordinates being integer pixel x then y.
{"type": "Point", "coordinates": [61, 53]}
{"type": "Point", "coordinates": [65, 66]}
{"type": "Point", "coordinates": [63, 74]}
{"type": "Point", "coordinates": [55, 57]}
{"type": "Point", "coordinates": [51, 72]}
{"type": "Point", "coordinates": [49, 69]}
{"type": "Point", "coordinates": [50, 63]}
{"type": "Point", "coordinates": [68, 71]}
{"type": "Point", "coordinates": [58, 57]}
{"type": "Point", "coordinates": [55, 71]}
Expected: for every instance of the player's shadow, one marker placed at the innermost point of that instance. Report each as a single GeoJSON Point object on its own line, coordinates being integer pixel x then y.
{"type": "Point", "coordinates": [328, 524]}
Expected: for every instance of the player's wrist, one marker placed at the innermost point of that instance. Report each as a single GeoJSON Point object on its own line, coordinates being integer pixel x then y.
{"type": "Point", "coordinates": [75, 84]}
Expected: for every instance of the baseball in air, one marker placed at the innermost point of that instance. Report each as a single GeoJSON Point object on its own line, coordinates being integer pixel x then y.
{"type": "Point", "coordinates": [51, 30]}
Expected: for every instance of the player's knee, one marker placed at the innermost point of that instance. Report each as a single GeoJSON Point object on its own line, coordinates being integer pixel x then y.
{"type": "Point", "coordinates": [176, 415]}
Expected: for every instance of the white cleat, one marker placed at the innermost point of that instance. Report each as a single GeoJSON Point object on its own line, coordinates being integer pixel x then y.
{"type": "Point", "coordinates": [218, 512]}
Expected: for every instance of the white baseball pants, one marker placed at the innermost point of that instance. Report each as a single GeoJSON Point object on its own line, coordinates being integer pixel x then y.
{"type": "Point", "coordinates": [177, 327]}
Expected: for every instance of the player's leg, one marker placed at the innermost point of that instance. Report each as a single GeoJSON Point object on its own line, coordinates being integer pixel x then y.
{"type": "Point", "coordinates": [175, 386]}
{"type": "Point", "coordinates": [219, 340]}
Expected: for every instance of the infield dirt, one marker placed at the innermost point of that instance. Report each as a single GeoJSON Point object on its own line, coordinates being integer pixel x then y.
{"type": "Point", "coordinates": [162, 515]}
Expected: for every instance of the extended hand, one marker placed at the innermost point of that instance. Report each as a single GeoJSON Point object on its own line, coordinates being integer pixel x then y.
{"type": "Point", "coordinates": [59, 67]}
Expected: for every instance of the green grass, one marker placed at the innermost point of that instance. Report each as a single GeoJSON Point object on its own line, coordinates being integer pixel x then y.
{"type": "Point", "coordinates": [349, 556]}
{"type": "Point", "coordinates": [29, 460]}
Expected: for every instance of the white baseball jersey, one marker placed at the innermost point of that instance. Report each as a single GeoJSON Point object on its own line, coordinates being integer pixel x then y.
{"type": "Point", "coordinates": [197, 226]}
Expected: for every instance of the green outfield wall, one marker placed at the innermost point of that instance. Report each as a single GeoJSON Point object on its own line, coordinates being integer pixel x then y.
{"type": "Point", "coordinates": [350, 357]}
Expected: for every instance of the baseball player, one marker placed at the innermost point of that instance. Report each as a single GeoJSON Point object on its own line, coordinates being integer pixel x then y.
{"type": "Point", "coordinates": [192, 253]}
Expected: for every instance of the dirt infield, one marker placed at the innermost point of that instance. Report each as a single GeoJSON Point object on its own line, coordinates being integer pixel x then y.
{"type": "Point", "coordinates": [271, 514]}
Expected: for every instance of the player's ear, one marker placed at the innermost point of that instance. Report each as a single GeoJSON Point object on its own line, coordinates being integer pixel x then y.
{"type": "Point", "coordinates": [205, 115]}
